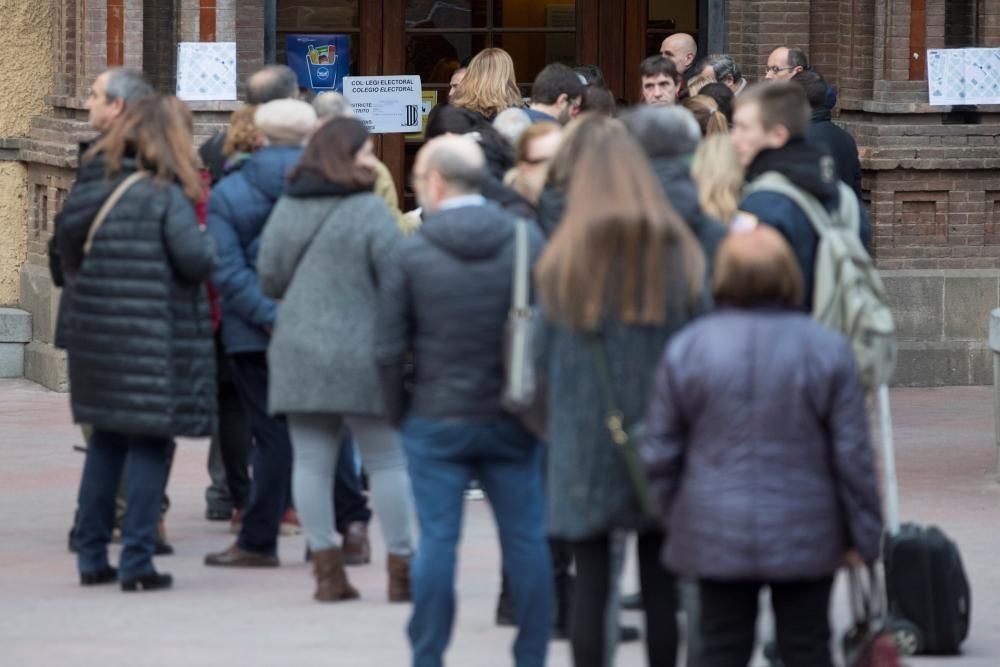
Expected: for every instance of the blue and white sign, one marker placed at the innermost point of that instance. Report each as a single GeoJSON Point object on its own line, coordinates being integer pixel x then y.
{"type": "Point", "coordinates": [320, 61]}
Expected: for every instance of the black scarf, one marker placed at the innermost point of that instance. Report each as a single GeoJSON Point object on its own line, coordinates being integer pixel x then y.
{"type": "Point", "coordinates": [308, 183]}
{"type": "Point", "coordinates": [802, 164]}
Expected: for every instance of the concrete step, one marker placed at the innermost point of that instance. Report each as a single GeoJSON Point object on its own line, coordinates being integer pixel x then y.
{"type": "Point", "coordinates": [15, 325]}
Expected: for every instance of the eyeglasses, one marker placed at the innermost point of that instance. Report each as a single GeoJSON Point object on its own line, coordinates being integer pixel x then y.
{"type": "Point", "coordinates": [774, 69]}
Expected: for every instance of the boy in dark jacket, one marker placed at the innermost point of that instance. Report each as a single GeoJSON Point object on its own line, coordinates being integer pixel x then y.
{"type": "Point", "coordinates": [769, 134]}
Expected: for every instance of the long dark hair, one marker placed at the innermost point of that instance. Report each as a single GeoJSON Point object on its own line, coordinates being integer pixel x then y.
{"type": "Point", "coordinates": [157, 131]}
{"type": "Point", "coordinates": [331, 151]}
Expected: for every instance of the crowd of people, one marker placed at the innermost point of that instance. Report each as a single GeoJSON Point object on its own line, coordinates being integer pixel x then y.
{"type": "Point", "coordinates": [268, 292]}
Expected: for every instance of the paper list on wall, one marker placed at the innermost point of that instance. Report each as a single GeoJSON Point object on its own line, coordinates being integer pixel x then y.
{"type": "Point", "coordinates": [206, 71]}
{"type": "Point", "coordinates": [963, 76]}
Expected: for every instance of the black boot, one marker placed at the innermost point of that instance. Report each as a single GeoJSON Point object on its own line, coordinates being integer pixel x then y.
{"type": "Point", "coordinates": [149, 582]}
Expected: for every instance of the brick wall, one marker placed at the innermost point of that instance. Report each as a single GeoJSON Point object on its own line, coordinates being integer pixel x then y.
{"type": "Point", "coordinates": [249, 40]}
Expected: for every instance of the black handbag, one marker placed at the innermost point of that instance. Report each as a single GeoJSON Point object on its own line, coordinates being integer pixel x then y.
{"type": "Point", "coordinates": [626, 440]}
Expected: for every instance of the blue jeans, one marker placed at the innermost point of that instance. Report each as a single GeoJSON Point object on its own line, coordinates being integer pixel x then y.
{"type": "Point", "coordinates": [443, 455]}
{"type": "Point", "coordinates": [146, 461]}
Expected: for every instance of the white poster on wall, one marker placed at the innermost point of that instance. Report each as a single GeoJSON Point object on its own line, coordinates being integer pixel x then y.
{"type": "Point", "coordinates": [385, 104]}
{"type": "Point", "coordinates": [206, 71]}
{"type": "Point", "coordinates": [963, 76]}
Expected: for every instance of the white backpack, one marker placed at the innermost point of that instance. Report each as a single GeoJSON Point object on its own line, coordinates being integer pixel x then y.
{"type": "Point", "coordinates": [848, 294]}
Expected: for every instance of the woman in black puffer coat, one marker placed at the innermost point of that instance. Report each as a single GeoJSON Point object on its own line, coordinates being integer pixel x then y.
{"type": "Point", "coordinates": [137, 331]}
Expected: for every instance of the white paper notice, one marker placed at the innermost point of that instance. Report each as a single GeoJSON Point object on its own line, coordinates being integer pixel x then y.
{"type": "Point", "coordinates": [206, 71]}
{"type": "Point", "coordinates": [963, 76]}
{"type": "Point", "coordinates": [385, 104]}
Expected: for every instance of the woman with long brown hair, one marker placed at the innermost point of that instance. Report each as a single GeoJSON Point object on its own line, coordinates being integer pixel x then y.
{"type": "Point", "coordinates": [621, 273]}
{"type": "Point", "coordinates": [328, 240]}
{"type": "Point", "coordinates": [489, 86]}
{"type": "Point", "coordinates": [137, 329]}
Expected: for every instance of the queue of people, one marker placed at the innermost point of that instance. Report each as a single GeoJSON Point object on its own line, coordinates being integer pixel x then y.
{"type": "Point", "coordinates": [670, 284]}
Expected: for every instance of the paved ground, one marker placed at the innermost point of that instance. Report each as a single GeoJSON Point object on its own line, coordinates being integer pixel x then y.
{"type": "Point", "coordinates": [947, 465]}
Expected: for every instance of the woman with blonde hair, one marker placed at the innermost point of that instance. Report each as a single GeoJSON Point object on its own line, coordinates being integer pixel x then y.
{"type": "Point", "coordinates": [489, 85]}
{"type": "Point", "coordinates": [717, 171]}
{"type": "Point", "coordinates": [706, 112]}
{"type": "Point", "coordinates": [620, 275]}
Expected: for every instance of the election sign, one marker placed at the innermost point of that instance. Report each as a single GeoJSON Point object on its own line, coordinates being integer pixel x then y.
{"type": "Point", "coordinates": [386, 104]}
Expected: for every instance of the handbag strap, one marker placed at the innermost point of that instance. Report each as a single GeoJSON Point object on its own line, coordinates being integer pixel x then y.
{"type": "Point", "coordinates": [109, 204]}
{"type": "Point", "coordinates": [519, 285]}
{"type": "Point", "coordinates": [614, 418]}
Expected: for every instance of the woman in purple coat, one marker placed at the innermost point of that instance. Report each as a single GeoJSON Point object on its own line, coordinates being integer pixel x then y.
{"type": "Point", "coordinates": [757, 449]}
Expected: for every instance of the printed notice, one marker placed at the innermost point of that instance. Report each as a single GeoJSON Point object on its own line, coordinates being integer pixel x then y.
{"type": "Point", "coordinates": [963, 76]}
{"type": "Point", "coordinates": [206, 71]}
{"type": "Point", "coordinates": [386, 104]}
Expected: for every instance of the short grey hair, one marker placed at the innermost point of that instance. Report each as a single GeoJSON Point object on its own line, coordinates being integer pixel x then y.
{"type": "Point", "coordinates": [272, 82]}
{"type": "Point", "coordinates": [332, 105]}
{"type": "Point", "coordinates": [459, 161]}
{"type": "Point", "coordinates": [664, 131]}
{"type": "Point", "coordinates": [511, 124]}
{"type": "Point", "coordinates": [723, 65]}
{"type": "Point", "coordinates": [127, 85]}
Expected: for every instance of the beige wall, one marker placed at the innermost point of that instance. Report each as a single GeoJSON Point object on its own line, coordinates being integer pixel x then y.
{"type": "Point", "coordinates": [25, 80]}
{"type": "Point", "coordinates": [26, 55]}
{"type": "Point", "coordinates": [13, 230]}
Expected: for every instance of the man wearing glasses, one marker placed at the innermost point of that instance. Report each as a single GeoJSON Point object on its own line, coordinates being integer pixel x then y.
{"type": "Point", "coordinates": [784, 63]}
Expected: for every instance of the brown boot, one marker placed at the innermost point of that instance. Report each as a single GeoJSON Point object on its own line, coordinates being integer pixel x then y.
{"type": "Point", "coordinates": [357, 549]}
{"type": "Point", "coordinates": [399, 578]}
{"type": "Point", "coordinates": [331, 580]}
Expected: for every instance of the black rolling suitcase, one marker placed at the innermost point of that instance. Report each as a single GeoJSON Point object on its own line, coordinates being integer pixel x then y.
{"type": "Point", "coordinates": [928, 592]}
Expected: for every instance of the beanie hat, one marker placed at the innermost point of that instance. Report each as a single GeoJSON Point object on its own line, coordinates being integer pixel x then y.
{"type": "Point", "coordinates": [285, 122]}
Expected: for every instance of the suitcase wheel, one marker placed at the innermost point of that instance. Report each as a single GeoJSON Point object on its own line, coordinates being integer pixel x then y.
{"type": "Point", "coordinates": [909, 639]}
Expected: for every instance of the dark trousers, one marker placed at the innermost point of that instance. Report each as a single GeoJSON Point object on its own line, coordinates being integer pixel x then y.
{"type": "Point", "coordinates": [442, 457]}
{"type": "Point", "coordinates": [270, 457]}
{"type": "Point", "coordinates": [593, 617]}
{"type": "Point", "coordinates": [729, 621]}
{"type": "Point", "coordinates": [145, 461]}
{"type": "Point", "coordinates": [349, 499]}
{"type": "Point", "coordinates": [230, 448]}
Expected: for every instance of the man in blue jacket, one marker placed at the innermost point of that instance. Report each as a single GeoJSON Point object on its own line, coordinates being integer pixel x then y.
{"type": "Point", "coordinates": [769, 133]}
{"type": "Point", "coordinates": [238, 208]}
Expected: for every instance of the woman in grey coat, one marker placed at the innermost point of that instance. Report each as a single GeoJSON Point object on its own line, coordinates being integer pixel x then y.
{"type": "Point", "coordinates": [322, 250]}
{"type": "Point", "coordinates": [757, 447]}
{"type": "Point", "coordinates": [621, 273]}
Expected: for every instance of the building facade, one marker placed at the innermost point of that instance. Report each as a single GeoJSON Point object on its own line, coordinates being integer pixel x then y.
{"type": "Point", "coordinates": [931, 174]}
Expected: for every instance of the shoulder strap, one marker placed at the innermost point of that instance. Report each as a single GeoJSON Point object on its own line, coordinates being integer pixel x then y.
{"type": "Point", "coordinates": [109, 204]}
{"type": "Point", "coordinates": [614, 418]}
{"type": "Point", "coordinates": [817, 214]}
{"type": "Point", "coordinates": [519, 286]}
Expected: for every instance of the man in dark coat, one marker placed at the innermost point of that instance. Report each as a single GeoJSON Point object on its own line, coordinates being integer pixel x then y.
{"type": "Point", "coordinates": [824, 132]}
{"type": "Point", "coordinates": [769, 133]}
{"type": "Point", "coordinates": [670, 136]}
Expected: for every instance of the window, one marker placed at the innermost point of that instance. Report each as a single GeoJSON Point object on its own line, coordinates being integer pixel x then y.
{"type": "Point", "coordinates": [960, 23]}
{"type": "Point", "coordinates": [666, 17]}
{"type": "Point", "coordinates": [441, 35]}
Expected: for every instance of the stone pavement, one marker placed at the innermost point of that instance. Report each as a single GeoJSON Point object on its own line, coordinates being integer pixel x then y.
{"type": "Point", "coordinates": [947, 466]}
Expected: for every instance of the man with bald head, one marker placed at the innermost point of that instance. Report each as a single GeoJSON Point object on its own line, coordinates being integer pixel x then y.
{"type": "Point", "coordinates": [784, 63]}
{"type": "Point", "coordinates": [443, 307]}
{"type": "Point", "coordinates": [683, 50]}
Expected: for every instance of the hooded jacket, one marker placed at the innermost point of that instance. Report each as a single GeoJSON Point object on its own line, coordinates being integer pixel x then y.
{"type": "Point", "coordinates": [237, 210]}
{"type": "Point", "coordinates": [322, 254]}
{"type": "Point", "coordinates": [674, 176]}
{"type": "Point", "coordinates": [757, 449]}
{"type": "Point", "coordinates": [445, 300]}
{"type": "Point", "coordinates": [841, 145]}
{"type": "Point", "coordinates": [801, 163]}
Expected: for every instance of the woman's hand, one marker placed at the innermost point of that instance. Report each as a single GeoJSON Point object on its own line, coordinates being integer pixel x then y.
{"type": "Point", "coordinates": [853, 559]}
